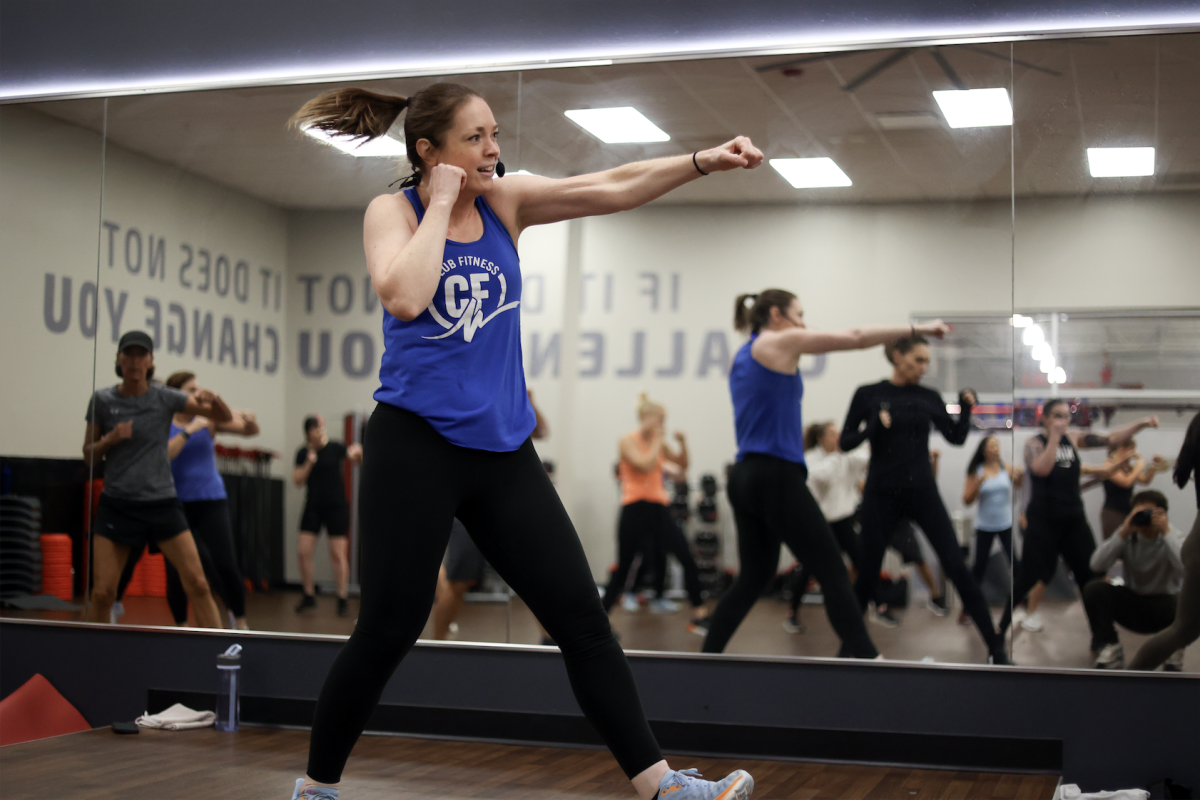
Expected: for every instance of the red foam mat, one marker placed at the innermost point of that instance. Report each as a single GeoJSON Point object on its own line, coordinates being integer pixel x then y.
{"type": "Point", "coordinates": [37, 711]}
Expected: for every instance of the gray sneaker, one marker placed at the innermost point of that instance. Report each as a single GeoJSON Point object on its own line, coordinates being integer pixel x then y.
{"type": "Point", "coordinates": [687, 785]}
{"type": "Point", "coordinates": [1175, 662]}
{"type": "Point", "coordinates": [313, 792]}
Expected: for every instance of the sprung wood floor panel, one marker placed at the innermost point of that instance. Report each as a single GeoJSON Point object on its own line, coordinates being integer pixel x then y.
{"type": "Point", "coordinates": [264, 763]}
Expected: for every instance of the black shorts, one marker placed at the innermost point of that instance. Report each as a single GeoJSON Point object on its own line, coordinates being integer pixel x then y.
{"type": "Point", "coordinates": [334, 517]}
{"type": "Point", "coordinates": [463, 562]}
{"type": "Point", "coordinates": [904, 541]}
{"type": "Point", "coordinates": [136, 523]}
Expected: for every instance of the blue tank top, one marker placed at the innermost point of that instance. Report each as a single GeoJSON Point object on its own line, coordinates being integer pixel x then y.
{"type": "Point", "coordinates": [766, 408]}
{"type": "Point", "coordinates": [995, 503]}
{"type": "Point", "coordinates": [458, 365]}
{"type": "Point", "coordinates": [195, 468]}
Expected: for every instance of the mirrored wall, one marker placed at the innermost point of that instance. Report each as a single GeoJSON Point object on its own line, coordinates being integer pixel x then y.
{"type": "Point", "coordinates": [901, 187]}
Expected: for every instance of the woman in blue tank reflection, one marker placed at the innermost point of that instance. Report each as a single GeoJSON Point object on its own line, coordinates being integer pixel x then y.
{"type": "Point", "coordinates": [450, 434]}
{"type": "Point", "coordinates": [767, 486]}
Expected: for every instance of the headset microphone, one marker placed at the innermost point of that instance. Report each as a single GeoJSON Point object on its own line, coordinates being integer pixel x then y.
{"type": "Point", "coordinates": [499, 169]}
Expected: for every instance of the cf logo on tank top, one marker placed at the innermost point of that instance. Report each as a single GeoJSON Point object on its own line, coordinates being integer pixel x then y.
{"type": "Point", "coordinates": [465, 296]}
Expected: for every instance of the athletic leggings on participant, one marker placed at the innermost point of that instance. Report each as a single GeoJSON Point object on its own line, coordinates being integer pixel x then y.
{"type": "Point", "coordinates": [882, 511]}
{"type": "Point", "coordinates": [1186, 627]}
{"type": "Point", "coordinates": [847, 540]}
{"type": "Point", "coordinates": [413, 484]}
{"type": "Point", "coordinates": [772, 505]}
{"type": "Point", "coordinates": [642, 525]}
{"type": "Point", "coordinates": [983, 550]}
{"type": "Point", "coordinates": [1046, 538]}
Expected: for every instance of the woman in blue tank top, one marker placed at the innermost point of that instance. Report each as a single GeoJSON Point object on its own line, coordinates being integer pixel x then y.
{"type": "Point", "coordinates": [991, 482]}
{"type": "Point", "coordinates": [450, 435]}
{"type": "Point", "coordinates": [767, 486]}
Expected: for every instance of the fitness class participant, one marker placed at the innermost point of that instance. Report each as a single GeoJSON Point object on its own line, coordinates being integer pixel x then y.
{"type": "Point", "coordinates": [202, 491]}
{"type": "Point", "coordinates": [767, 486]}
{"type": "Point", "coordinates": [450, 436]}
{"type": "Point", "coordinates": [645, 506]}
{"type": "Point", "coordinates": [896, 416]}
{"type": "Point", "coordinates": [464, 565]}
{"type": "Point", "coordinates": [319, 467]}
{"type": "Point", "coordinates": [835, 479]}
{"type": "Point", "coordinates": [128, 424]}
{"type": "Point", "coordinates": [1186, 627]}
{"type": "Point", "coordinates": [1130, 469]}
{"type": "Point", "coordinates": [1058, 525]}
{"type": "Point", "coordinates": [991, 482]}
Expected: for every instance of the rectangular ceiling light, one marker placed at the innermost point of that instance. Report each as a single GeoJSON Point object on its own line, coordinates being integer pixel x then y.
{"type": "Point", "coordinates": [975, 108]}
{"type": "Point", "coordinates": [810, 173]}
{"type": "Point", "coordinates": [617, 125]}
{"type": "Point", "coordinates": [1120, 162]}
{"type": "Point", "coordinates": [384, 146]}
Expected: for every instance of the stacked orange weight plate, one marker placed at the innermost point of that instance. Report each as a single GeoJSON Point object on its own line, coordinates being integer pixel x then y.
{"type": "Point", "coordinates": [58, 576]}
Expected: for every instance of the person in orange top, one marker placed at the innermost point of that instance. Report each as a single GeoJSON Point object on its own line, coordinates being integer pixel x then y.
{"type": "Point", "coordinates": [645, 506]}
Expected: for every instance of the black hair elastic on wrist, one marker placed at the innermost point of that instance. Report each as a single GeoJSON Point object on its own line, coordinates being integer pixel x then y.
{"type": "Point", "coordinates": [697, 166]}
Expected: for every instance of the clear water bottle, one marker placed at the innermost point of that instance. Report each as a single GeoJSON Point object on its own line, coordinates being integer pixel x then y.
{"type": "Point", "coordinates": [229, 671]}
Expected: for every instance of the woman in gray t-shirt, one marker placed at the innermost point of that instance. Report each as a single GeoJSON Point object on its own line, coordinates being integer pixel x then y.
{"type": "Point", "coordinates": [129, 425]}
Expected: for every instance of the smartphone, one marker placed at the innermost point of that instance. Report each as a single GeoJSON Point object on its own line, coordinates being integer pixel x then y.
{"type": "Point", "coordinates": [125, 727]}
{"type": "Point", "coordinates": [1143, 517]}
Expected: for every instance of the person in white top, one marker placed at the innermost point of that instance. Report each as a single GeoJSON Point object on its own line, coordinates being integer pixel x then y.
{"type": "Point", "coordinates": [835, 479]}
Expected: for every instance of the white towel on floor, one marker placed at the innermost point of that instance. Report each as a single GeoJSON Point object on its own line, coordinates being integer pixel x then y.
{"type": "Point", "coordinates": [1071, 791]}
{"type": "Point", "coordinates": [177, 718]}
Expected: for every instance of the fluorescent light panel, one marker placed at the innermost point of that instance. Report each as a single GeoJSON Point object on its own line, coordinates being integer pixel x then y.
{"type": "Point", "coordinates": [383, 147]}
{"type": "Point", "coordinates": [810, 173]}
{"type": "Point", "coordinates": [1120, 162]}
{"type": "Point", "coordinates": [975, 108]}
{"type": "Point", "coordinates": [621, 125]}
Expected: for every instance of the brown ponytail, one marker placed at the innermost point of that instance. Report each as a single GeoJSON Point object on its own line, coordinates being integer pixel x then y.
{"type": "Point", "coordinates": [752, 312]}
{"type": "Point", "coordinates": [362, 114]}
{"type": "Point", "coordinates": [813, 434]}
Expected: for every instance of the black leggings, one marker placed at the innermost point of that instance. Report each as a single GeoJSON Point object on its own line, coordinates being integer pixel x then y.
{"type": "Point", "coordinates": [213, 534]}
{"type": "Point", "coordinates": [847, 539]}
{"type": "Point", "coordinates": [882, 511]}
{"type": "Point", "coordinates": [772, 505]}
{"type": "Point", "coordinates": [642, 525]}
{"type": "Point", "coordinates": [1046, 538]}
{"type": "Point", "coordinates": [983, 550]}
{"type": "Point", "coordinates": [413, 484]}
{"type": "Point", "coordinates": [1186, 627]}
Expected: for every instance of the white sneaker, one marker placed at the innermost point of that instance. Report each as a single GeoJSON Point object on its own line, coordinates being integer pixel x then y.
{"type": "Point", "coordinates": [630, 603]}
{"type": "Point", "coordinates": [1112, 656]}
{"type": "Point", "coordinates": [663, 605]}
{"type": "Point", "coordinates": [1175, 662]}
{"type": "Point", "coordinates": [116, 612]}
{"type": "Point", "coordinates": [1033, 622]}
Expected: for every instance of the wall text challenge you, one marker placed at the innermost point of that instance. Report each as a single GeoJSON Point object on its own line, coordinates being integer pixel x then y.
{"type": "Point", "coordinates": [197, 336]}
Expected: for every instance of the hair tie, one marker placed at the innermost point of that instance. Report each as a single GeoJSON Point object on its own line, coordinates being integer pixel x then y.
{"type": "Point", "coordinates": [407, 183]}
{"type": "Point", "coordinates": [750, 300]}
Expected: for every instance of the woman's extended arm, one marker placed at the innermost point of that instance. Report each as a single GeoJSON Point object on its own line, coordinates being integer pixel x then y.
{"type": "Point", "coordinates": [539, 201]}
{"type": "Point", "coordinates": [1116, 438]}
{"type": "Point", "coordinates": [208, 404]}
{"type": "Point", "coordinates": [244, 423]}
{"type": "Point", "coordinates": [798, 341]}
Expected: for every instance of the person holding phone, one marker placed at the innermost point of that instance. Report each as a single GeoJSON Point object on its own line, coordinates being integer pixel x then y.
{"type": "Point", "coordinates": [1150, 549]}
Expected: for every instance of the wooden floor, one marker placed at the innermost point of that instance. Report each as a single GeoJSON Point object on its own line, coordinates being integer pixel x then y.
{"type": "Point", "coordinates": [1063, 643]}
{"type": "Point", "coordinates": [264, 763]}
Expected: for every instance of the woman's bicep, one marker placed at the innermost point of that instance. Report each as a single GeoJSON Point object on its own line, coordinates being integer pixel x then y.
{"type": "Point", "coordinates": [542, 201]}
{"type": "Point", "coordinates": [387, 230]}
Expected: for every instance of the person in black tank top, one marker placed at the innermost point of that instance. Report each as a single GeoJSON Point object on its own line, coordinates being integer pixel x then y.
{"type": "Point", "coordinates": [449, 436]}
{"type": "Point", "coordinates": [1121, 483]}
{"type": "Point", "coordinates": [896, 416]}
{"type": "Point", "coordinates": [1186, 627]}
{"type": "Point", "coordinates": [1057, 525]}
{"type": "Point", "coordinates": [319, 467]}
